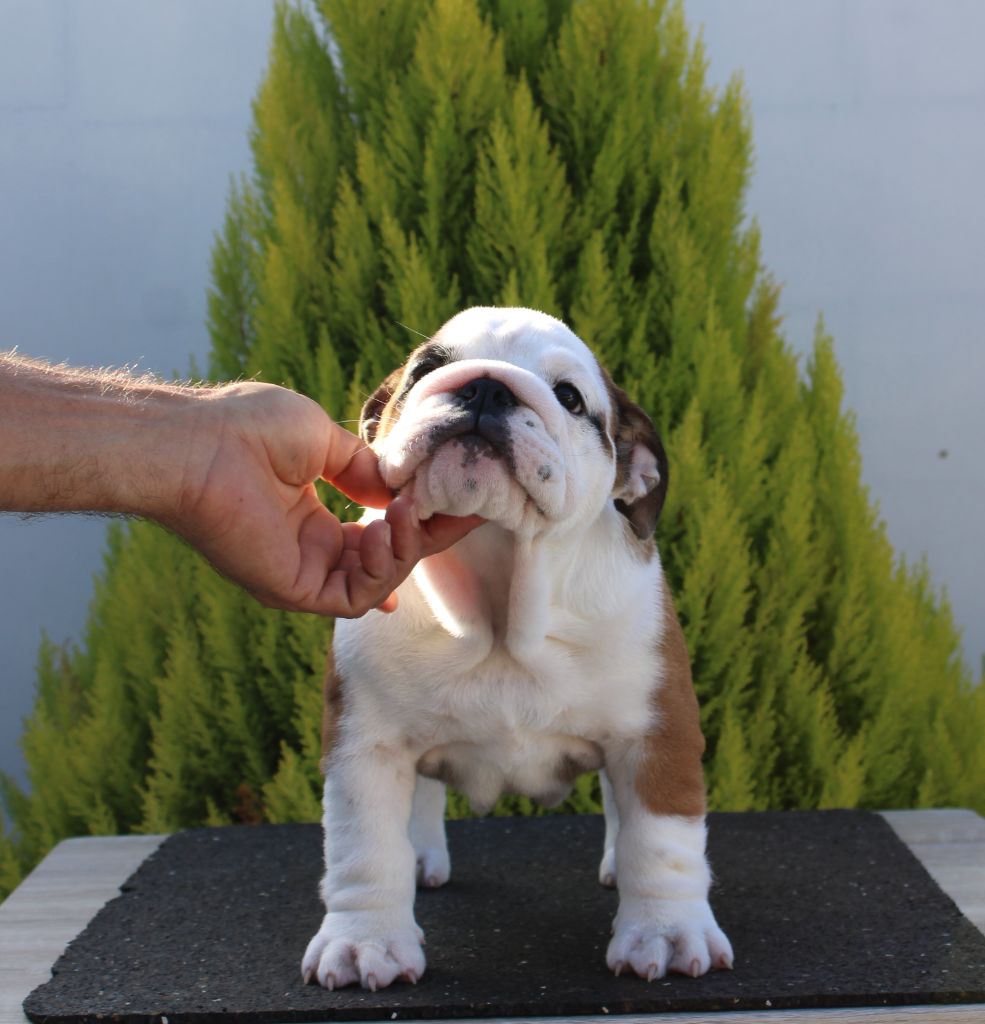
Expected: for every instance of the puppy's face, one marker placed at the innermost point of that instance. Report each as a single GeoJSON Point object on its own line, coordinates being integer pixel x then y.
{"type": "Point", "coordinates": [505, 413]}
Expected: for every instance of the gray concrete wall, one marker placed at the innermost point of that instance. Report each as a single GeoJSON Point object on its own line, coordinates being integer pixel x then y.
{"type": "Point", "coordinates": [120, 123]}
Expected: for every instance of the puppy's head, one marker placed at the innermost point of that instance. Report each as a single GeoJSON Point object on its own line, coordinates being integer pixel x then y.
{"type": "Point", "coordinates": [506, 413]}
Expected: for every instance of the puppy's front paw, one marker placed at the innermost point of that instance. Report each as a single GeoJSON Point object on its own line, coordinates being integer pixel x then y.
{"type": "Point", "coordinates": [652, 937]}
{"type": "Point", "coordinates": [371, 947]}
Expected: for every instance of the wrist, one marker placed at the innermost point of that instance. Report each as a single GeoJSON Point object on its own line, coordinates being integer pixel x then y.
{"type": "Point", "coordinates": [154, 441]}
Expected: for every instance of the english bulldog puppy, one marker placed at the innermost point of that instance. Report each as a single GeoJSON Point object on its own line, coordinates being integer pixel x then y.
{"type": "Point", "coordinates": [543, 645]}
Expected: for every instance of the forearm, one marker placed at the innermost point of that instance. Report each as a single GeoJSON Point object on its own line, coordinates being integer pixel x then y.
{"type": "Point", "coordinates": [82, 440]}
{"type": "Point", "coordinates": [230, 469]}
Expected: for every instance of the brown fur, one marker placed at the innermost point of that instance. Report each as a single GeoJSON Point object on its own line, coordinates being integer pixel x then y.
{"type": "Point", "coordinates": [379, 411]}
{"type": "Point", "coordinates": [333, 706]}
{"type": "Point", "coordinates": [670, 779]}
{"type": "Point", "coordinates": [632, 426]}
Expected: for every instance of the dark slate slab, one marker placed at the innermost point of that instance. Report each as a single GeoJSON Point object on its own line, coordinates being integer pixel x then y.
{"type": "Point", "coordinates": [823, 909]}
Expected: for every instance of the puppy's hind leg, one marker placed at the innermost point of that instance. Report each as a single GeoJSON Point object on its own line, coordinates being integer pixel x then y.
{"type": "Point", "coordinates": [607, 869]}
{"type": "Point", "coordinates": [427, 833]}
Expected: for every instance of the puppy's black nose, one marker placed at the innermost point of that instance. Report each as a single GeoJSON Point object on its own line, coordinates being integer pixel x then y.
{"type": "Point", "coordinates": [486, 397]}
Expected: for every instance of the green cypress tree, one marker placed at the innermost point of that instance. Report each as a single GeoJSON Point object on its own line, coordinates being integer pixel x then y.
{"type": "Point", "coordinates": [412, 157]}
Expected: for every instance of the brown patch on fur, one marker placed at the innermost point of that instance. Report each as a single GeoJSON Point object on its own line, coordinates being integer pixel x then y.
{"type": "Point", "coordinates": [646, 549]}
{"type": "Point", "coordinates": [380, 411]}
{"type": "Point", "coordinates": [631, 426]}
{"type": "Point", "coordinates": [670, 779]}
{"type": "Point", "coordinates": [332, 708]}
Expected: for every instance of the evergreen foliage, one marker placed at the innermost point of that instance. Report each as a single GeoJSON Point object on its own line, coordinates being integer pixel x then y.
{"type": "Point", "coordinates": [414, 157]}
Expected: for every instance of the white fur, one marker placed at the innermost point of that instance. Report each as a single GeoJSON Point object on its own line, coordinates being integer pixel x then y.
{"type": "Point", "coordinates": [532, 640]}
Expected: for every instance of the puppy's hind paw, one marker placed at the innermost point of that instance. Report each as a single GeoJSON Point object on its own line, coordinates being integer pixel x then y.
{"type": "Point", "coordinates": [607, 869]}
{"type": "Point", "coordinates": [433, 867]}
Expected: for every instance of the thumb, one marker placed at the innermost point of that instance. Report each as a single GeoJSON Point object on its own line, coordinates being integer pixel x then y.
{"type": "Point", "coordinates": [353, 468]}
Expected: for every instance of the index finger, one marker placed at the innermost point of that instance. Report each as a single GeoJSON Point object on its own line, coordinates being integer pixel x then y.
{"type": "Point", "coordinates": [414, 539]}
{"type": "Point", "coordinates": [442, 531]}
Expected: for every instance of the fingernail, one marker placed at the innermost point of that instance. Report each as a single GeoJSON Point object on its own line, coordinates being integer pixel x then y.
{"type": "Point", "coordinates": [387, 534]}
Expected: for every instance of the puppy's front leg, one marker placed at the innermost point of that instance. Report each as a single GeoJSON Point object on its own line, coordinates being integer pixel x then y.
{"type": "Point", "coordinates": [664, 922]}
{"type": "Point", "coordinates": [369, 933]}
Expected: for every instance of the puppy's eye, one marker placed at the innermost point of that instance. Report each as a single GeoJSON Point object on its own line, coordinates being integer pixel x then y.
{"type": "Point", "coordinates": [569, 397]}
{"type": "Point", "coordinates": [425, 366]}
{"type": "Point", "coordinates": [421, 370]}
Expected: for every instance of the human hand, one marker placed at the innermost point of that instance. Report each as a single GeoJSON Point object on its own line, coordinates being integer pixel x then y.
{"type": "Point", "coordinates": [249, 504]}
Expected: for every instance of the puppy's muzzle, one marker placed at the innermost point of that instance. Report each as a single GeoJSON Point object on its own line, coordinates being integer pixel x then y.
{"type": "Point", "coordinates": [477, 418]}
{"type": "Point", "coordinates": [481, 436]}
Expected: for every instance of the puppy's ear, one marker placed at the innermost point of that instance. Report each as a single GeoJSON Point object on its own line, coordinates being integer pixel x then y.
{"type": "Point", "coordinates": [641, 466]}
{"type": "Point", "coordinates": [373, 413]}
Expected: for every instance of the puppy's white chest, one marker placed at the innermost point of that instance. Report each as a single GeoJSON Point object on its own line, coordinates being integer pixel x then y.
{"type": "Point", "coordinates": [509, 665]}
{"type": "Point", "coordinates": [542, 766]}
{"type": "Point", "coordinates": [506, 729]}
